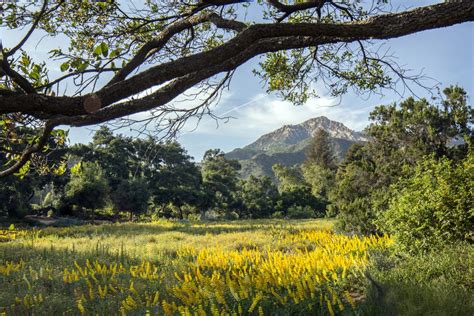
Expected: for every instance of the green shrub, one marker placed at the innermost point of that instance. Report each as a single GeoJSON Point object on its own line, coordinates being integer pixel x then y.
{"type": "Point", "coordinates": [278, 215]}
{"type": "Point", "coordinates": [331, 210]}
{"type": "Point", "coordinates": [433, 207]}
{"type": "Point", "coordinates": [231, 216]}
{"type": "Point", "coordinates": [298, 211]}
{"type": "Point", "coordinates": [87, 187]}
{"type": "Point", "coordinates": [131, 195]}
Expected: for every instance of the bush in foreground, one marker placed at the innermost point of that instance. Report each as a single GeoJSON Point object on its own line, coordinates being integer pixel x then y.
{"type": "Point", "coordinates": [433, 207]}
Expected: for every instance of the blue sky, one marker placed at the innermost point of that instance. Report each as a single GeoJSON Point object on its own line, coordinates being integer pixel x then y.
{"type": "Point", "coordinates": [446, 55]}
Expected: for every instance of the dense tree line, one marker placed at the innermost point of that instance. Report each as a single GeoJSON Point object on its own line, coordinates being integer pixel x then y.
{"type": "Point", "coordinates": [118, 174]}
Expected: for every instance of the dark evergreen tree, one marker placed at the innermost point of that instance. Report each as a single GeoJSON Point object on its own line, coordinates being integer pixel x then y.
{"type": "Point", "coordinates": [321, 150]}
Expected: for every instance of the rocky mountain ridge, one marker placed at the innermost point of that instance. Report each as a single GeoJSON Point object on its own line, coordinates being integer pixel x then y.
{"type": "Point", "coordinates": [287, 145]}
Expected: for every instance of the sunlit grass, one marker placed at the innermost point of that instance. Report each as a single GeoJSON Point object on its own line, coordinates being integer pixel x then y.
{"type": "Point", "coordinates": [148, 240]}
{"type": "Point", "coordinates": [271, 267]}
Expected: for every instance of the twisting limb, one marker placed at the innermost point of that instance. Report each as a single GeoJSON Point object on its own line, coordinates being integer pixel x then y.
{"type": "Point", "coordinates": [30, 31]}
{"type": "Point", "coordinates": [175, 28]}
{"type": "Point", "coordinates": [21, 81]}
{"type": "Point", "coordinates": [288, 9]}
{"type": "Point", "coordinates": [30, 150]}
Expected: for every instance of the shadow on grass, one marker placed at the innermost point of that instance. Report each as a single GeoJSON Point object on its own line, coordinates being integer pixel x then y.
{"type": "Point", "coordinates": [435, 283]}
{"type": "Point", "coordinates": [60, 257]}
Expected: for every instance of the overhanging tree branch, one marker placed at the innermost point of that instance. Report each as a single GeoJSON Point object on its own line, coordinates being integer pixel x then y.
{"type": "Point", "coordinates": [181, 59]}
{"type": "Point", "coordinates": [380, 27]}
{"type": "Point", "coordinates": [155, 45]}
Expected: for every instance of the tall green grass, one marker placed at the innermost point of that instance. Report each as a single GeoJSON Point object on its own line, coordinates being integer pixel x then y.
{"type": "Point", "coordinates": [438, 283]}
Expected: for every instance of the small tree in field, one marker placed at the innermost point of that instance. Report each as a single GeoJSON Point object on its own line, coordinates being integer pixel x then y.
{"type": "Point", "coordinates": [87, 187]}
{"type": "Point", "coordinates": [131, 195]}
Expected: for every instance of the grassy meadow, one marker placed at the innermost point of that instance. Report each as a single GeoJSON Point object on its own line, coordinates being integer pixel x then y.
{"type": "Point", "coordinates": [263, 267]}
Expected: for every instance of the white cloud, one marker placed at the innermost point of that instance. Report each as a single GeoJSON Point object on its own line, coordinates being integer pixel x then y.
{"type": "Point", "coordinates": [264, 113]}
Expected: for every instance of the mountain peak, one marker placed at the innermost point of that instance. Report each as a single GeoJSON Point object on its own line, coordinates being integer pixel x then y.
{"type": "Point", "coordinates": [288, 143]}
{"type": "Point", "coordinates": [293, 134]}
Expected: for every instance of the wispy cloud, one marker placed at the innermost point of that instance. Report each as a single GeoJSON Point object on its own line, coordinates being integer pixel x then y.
{"type": "Point", "coordinates": [264, 113]}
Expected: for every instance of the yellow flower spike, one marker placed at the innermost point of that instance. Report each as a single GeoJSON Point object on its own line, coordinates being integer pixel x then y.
{"type": "Point", "coordinates": [131, 302]}
{"type": "Point", "coordinates": [339, 304]}
{"type": "Point", "coordinates": [26, 300]}
{"type": "Point", "coordinates": [278, 296]}
{"type": "Point", "coordinates": [214, 310]}
{"type": "Point", "coordinates": [91, 293]}
{"type": "Point", "coordinates": [102, 292]}
{"type": "Point", "coordinates": [239, 309]}
{"type": "Point", "coordinates": [255, 301]}
{"type": "Point", "coordinates": [201, 311]}
{"type": "Point", "coordinates": [349, 299]}
{"type": "Point", "coordinates": [112, 289]}
{"type": "Point", "coordinates": [155, 298]}
{"type": "Point", "coordinates": [123, 312]}
{"type": "Point", "coordinates": [80, 307]}
{"type": "Point", "coordinates": [330, 309]}
{"type": "Point", "coordinates": [27, 281]}
{"type": "Point", "coordinates": [167, 308]}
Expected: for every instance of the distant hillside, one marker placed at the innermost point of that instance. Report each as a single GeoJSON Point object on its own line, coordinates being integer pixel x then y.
{"type": "Point", "coordinates": [287, 145]}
